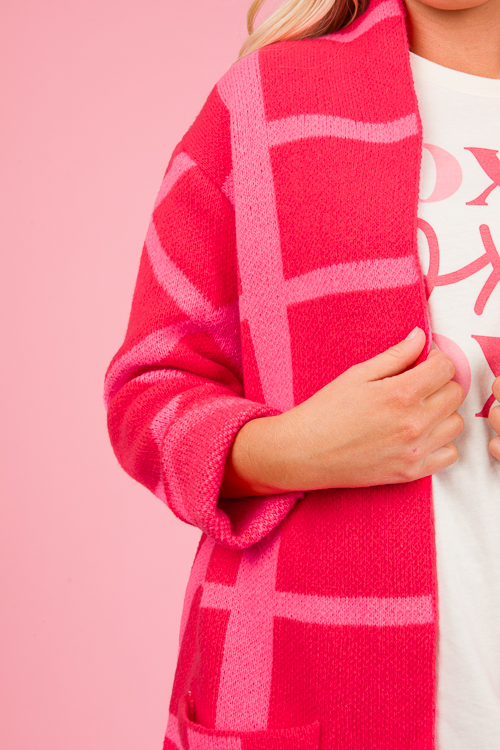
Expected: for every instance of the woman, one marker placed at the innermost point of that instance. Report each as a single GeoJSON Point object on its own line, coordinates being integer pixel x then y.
{"type": "Point", "coordinates": [267, 389]}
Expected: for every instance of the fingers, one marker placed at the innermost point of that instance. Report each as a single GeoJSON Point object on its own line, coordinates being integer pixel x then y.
{"type": "Point", "coordinates": [440, 459]}
{"type": "Point", "coordinates": [429, 376]}
{"type": "Point", "coordinates": [444, 433]}
{"type": "Point", "coordinates": [445, 401]}
{"type": "Point", "coordinates": [496, 388]}
{"type": "Point", "coordinates": [494, 420]}
{"type": "Point", "coordinates": [494, 447]}
{"type": "Point", "coordinates": [439, 451]}
{"type": "Point", "coordinates": [432, 353]}
{"type": "Point", "coordinates": [396, 359]}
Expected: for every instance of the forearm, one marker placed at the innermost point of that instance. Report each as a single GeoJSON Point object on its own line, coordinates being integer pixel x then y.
{"type": "Point", "coordinates": [257, 461]}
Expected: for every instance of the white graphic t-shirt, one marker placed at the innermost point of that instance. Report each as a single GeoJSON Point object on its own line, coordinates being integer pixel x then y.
{"type": "Point", "coordinates": [459, 247]}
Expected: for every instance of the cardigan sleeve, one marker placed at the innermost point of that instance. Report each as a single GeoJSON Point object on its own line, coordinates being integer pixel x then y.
{"type": "Point", "coordinates": [174, 391]}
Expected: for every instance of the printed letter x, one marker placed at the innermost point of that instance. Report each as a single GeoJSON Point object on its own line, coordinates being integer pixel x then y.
{"type": "Point", "coordinates": [489, 162]}
{"type": "Point", "coordinates": [490, 256]}
{"type": "Point", "coordinates": [490, 346]}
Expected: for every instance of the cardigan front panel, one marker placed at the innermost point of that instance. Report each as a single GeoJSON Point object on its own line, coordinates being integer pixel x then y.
{"type": "Point", "coordinates": [332, 615]}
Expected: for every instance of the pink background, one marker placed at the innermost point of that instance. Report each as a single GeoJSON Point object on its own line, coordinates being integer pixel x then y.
{"type": "Point", "coordinates": [95, 93]}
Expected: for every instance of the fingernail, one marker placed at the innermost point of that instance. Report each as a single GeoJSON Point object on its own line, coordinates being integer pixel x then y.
{"type": "Point", "coordinates": [412, 334]}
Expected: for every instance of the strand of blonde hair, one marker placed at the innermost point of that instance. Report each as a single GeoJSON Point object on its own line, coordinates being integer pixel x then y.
{"type": "Point", "coordinates": [299, 19]}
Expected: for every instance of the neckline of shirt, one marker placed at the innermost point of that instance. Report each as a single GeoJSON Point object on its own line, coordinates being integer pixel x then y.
{"type": "Point", "coordinates": [425, 70]}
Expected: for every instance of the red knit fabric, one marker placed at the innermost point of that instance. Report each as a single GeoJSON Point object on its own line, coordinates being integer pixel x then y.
{"type": "Point", "coordinates": [282, 250]}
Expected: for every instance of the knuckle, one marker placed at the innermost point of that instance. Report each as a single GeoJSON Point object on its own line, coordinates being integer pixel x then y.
{"type": "Point", "coordinates": [459, 422]}
{"type": "Point", "coordinates": [494, 447]}
{"type": "Point", "coordinates": [494, 417]}
{"type": "Point", "coordinates": [453, 453]}
{"type": "Point", "coordinates": [496, 388]}
{"type": "Point", "coordinates": [414, 456]}
{"type": "Point", "coordinates": [414, 473]}
{"type": "Point", "coordinates": [412, 430]}
{"type": "Point", "coordinates": [458, 392]}
{"type": "Point", "coordinates": [403, 397]}
{"type": "Point", "coordinates": [446, 366]}
{"type": "Point", "coordinates": [395, 352]}
{"type": "Point", "coordinates": [358, 368]}
{"type": "Point", "coordinates": [409, 472]}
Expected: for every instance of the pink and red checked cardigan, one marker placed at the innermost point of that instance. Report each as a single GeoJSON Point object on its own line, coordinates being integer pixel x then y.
{"type": "Point", "coordinates": [281, 251]}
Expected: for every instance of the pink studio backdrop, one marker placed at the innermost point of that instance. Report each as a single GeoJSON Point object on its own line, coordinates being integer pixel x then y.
{"type": "Point", "coordinates": [95, 95]}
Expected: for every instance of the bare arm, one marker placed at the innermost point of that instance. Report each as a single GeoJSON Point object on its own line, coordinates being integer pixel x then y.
{"type": "Point", "coordinates": [378, 423]}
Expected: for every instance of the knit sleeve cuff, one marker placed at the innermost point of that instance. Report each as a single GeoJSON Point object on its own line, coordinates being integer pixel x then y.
{"type": "Point", "coordinates": [194, 454]}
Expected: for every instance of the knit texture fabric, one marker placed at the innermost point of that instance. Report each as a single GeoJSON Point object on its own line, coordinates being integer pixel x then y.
{"type": "Point", "coordinates": [282, 250]}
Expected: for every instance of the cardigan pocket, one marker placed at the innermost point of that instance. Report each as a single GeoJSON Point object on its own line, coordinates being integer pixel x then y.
{"type": "Point", "coordinates": [197, 737]}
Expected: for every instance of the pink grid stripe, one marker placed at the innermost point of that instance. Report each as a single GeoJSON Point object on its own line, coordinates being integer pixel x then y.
{"type": "Point", "coordinates": [172, 732]}
{"type": "Point", "coordinates": [298, 127]}
{"type": "Point", "coordinates": [173, 281]}
{"type": "Point", "coordinates": [221, 325]}
{"type": "Point", "coordinates": [385, 10]}
{"type": "Point", "coordinates": [245, 685]}
{"type": "Point", "coordinates": [219, 322]}
{"type": "Point", "coordinates": [258, 233]}
{"type": "Point", "coordinates": [163, 419]}
{"type": "Point", "coordinates": [158, 427]}
{"type": "Point", "coordinates": [374, 611]}
{"type": "Point", "coordinates": [200, 741]}
{"type": "Point", "coordinates": [228, 187]}
{"type": "Point", "coordinates": [151, 350]}
{"type": "Point", "coordinates": [196, 578]}
{"type": "Point", "coordinates": [331, 610]}
{"type": "Point", "coordinates": [245, 675]}
{"type": "Point", "coordinates": [157, 376]}
{"type": "Point", "coordinates": [180, 164]}
{"type": "Point", "coordinates": [381, 273]}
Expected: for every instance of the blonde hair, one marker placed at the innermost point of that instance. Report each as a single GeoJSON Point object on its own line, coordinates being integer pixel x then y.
{"type": "Point", "coordinates": [300, 19]}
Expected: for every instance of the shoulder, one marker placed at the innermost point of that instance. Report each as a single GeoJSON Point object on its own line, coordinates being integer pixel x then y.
{"type": "Point", "coordinates": [257, 76]}
{"type": "Point", "coordinates": [208, 140]}
{"type": "Point", "coordinates": [380, 25]}
{"type": "Point", "coordinates": [295, 77]}
{"type": "Point", "coordinates": [276, 80]}
{"type": "Point", "coordinates": [278, 61]}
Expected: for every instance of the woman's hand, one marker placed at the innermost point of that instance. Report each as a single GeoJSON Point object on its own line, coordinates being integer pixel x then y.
{"type": "Point", "coordinates": [377, 423]}
{"type": "Point", "coordinates": [494, 419]}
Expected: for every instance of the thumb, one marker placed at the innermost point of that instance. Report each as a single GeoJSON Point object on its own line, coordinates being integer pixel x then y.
{"type": "Point", "coordinates": [396, 359]}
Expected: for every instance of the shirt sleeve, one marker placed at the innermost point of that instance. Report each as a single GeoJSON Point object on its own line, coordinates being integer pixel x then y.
{"type": "Point", "coordinates": [175, 391]}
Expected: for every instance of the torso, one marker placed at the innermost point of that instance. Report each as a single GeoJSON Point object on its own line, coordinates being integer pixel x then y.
{"type": "Point", "coordinates": [459, 223]}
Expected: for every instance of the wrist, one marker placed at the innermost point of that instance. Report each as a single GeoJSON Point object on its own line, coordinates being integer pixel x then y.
{"type": "Point", "coordinates": [257, 461]}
